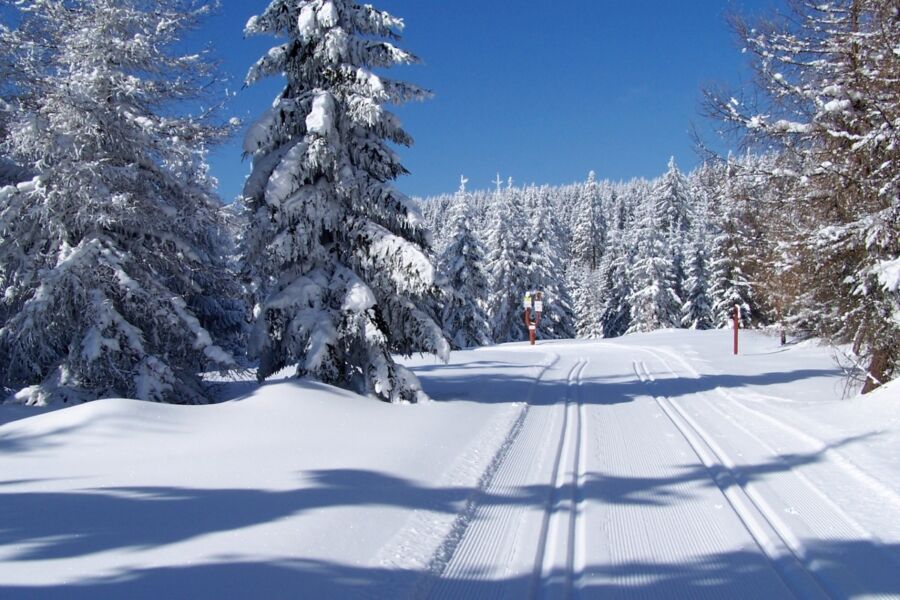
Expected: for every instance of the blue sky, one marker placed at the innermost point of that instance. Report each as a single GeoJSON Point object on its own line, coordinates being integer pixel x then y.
{"type": "Point", "coordinates": [539, 91]}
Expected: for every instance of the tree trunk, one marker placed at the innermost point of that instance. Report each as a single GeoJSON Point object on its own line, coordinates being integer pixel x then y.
{"type": "Point", "coordinates": [877, 370]}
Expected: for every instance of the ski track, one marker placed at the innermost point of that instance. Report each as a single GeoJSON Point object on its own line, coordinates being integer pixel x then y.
{"type": "Point", "coordinates": [537, 533]}
{"type": "Point", "coordinates": [793, 506]}
{"type": "Point", "coordinates": [525, 532]}
{"type": "Point", "coordinates": [653, 515]}
{"type": "Point", "coordinates": [559, 543]}
{"type": "Point", "coordinates": [809, 444]}
{"type": "Point", "coordinates": [579, 495]}
{"type": "Point", "coordinates": [438, 536]}
{"type": "Point", "coordinates": [768, 535]}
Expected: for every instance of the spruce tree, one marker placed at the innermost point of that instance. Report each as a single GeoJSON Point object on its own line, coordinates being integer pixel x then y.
{"type": "Point", "coordinates": [463, 263]}
{"type": "Point", "coordinates": [729, 285]}
{"type": "Point", "coordinates": [589, 226]}
{"type": "Point", "coordinates": [697, 311]}
{"type": "Point", "coordinates": [672, 203]}
{"type": "Point", "coordinates": [508, 268]}
{"type": "Point", "coordinates": [337, 255]}
{"type": "Point", "coordinates": [111, 261]}
{"type": "Point", "coordinates": [588, 303]}
{"type": "Point", "coordinates": [653, 300]}
{"type": "Point", "coordinates": [615, 317]}
{"type": "Point", "coordinates": [544, 267]}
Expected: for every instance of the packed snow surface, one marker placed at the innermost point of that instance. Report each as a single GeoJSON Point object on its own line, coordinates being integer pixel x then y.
{"type": "Point", "coordinates": [653, 466]}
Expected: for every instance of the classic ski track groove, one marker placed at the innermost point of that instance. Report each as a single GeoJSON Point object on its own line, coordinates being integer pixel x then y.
{"type": "Point", "coordinates": [447, 561]}
{"type": "Point", "coordinates": [451, 535]}
{"type": "Point", "coordinates": [813, 443]}
{"type": "Point", "coordinates": [768, 533]}
{"type": "Point", "coordinates": [822, 518]}
{"type": "Point", "coordinates": [491, 539]}
{"type": "Point", "coordinates": [852, 528]}
{"type": "Point", "coordinates": [555, 574]}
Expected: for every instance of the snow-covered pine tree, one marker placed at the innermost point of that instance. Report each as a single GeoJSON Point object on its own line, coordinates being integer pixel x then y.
{"type": "Point", "coordinates": [589, 230]}
{"type": "Point", "coordinates": [828, 80]}
{"type": "Point", "coordinates": [337, 254]}
{"type": "Point", "coordinates": [672, 199]}
{"type": "Point", "coordinates": [653, 300]}
{"type": "Point", "coordinates": [545, 270]}
{"type": "Point", "coordinates": [729, 285]}
{"type": "Point", "coordinates": [110, 261]}
{"type": "Point", "coordinates": [507, 267]}
{"type": "Point", "coordinates": [590, 243]}
{"type": "Point", "coordinates": [615, 316]}
{"type": "Point", "coordinates": [697, 311]}
{"type": "Point", "coordinates": [588, 298]}
{"type": "Point", "coordinates": [463, 263]}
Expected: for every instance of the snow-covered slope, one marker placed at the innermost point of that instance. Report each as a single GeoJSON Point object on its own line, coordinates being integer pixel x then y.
{"type": "Point", "coordinates": [654, 466]}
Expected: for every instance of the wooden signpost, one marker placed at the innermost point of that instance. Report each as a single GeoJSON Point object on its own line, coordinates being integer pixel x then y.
{"type": "Point", "coordinates": [534, 306]}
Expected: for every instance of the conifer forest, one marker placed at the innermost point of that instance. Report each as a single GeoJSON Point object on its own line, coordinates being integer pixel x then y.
{"type": "Point", "coordinates": [254, 345]}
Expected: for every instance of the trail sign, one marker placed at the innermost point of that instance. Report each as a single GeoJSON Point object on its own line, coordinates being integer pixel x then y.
{"type": "Point", "coordinates": [534, 306]}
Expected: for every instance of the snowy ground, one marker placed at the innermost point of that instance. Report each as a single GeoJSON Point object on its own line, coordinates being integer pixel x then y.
{"type": "Point", "coordinates": [656, 466]}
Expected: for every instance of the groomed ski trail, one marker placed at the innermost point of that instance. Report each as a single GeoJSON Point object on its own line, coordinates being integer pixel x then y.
{"type": "Point", "coordinates": [796, 504]}
{"type": "Point", "coordinates": [600, 495]}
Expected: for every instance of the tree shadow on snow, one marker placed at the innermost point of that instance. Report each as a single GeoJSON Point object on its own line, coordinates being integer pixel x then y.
{"type": "Point", "coordinates": [736, 575]}
{"type": "Point", "coordinates": [501, 387]}
{"type": "Point", "coordinates": [40, 525]}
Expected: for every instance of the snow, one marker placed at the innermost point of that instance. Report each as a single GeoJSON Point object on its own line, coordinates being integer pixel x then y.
{"type": "Point", "coordinates": [327, 15]}
{"type": "Point", "coordinates": [837, 106]}
{"type": "Point", "coordinates": [888, 273]}
{"type": "Point", "coordinates": [258, 132]}
{"type": "Point", "coordinates": [286, 178]}
{"type": "Point", "coordinates": [785, 126]}
{"type": "Point", "coordinates": [306, 22]}
{"type": "Point", "coordinates": [359, 298]}
{"type": "Point", "coordinates": [656, 465]}
{"type": "Point", "coordinates": [321, 119]}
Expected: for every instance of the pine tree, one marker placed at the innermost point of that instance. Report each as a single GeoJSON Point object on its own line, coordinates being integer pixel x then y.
{"type": "Point", "coordinates": [697, 311]}
{"type": "Point", "coordinates": [507, 267]}
{"type": "Point", "coordinates": [672, 203]}
{"type": "Point", "coordinates": [730, 286]}
{"type": "Point", "coordinates": [337, 254]}
{"type": "Point", "coordinates": [653, 300]}
{"type": "Point", "coordinates": [615, 315]}
{"type": "Point", "coordinates": [588, 303]}
{"type": "Point", "coordinates": [544, 267]}
{"type": "Point", "coordinates": [464, 319]}
{"type": "Point", "coordinates": [111, 261]}
{"type": "Point", "coordinates": [589, 226]}
{"type": "Point", "coordinates": [827, 81]}
{"type": "Point", "coordinates": [672, 199]}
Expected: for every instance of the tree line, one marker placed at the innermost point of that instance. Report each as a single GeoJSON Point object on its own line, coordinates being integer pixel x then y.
{"type": "Point", "coordinates": [121, 274]}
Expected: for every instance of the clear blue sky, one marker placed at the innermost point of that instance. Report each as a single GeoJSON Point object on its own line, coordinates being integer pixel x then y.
{"type": "Point", "coordinates": [540, 91]}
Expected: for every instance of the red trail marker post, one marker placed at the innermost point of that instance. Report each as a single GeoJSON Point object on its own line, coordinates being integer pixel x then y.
{"type": "Point", "coordinates": [737, 326]}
